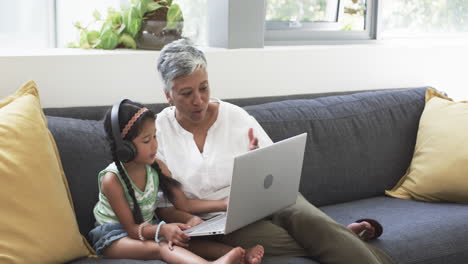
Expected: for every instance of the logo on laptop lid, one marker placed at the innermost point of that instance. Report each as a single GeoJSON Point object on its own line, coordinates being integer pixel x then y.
{"type": "Point", "coordinates": [268, 181]}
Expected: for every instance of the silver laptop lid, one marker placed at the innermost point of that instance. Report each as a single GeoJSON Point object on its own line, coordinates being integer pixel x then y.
{"type": "Point", "coordinates": [264, 181]}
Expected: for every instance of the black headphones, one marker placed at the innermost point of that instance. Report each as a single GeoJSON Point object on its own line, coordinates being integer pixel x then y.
{"type": "Point", "coordinates": [124, 149]}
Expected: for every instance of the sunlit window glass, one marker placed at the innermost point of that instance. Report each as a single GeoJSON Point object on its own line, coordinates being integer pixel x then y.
{"type": "Point", "coordinates": [26, 24]}
{"type": "Point", "coordinates": [424, 17]}
{"type": "Point", "coordinates": [195, 24]}
{"type": "Point", "coordinates": [330, 14]}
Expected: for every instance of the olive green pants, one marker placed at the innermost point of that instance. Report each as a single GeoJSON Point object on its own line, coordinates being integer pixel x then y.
{"type": "Point", "coordinates": [303, 230]}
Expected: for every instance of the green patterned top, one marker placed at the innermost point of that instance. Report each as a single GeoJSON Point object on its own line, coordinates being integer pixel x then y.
{"type": "Point", "coordinates": [147, 199]}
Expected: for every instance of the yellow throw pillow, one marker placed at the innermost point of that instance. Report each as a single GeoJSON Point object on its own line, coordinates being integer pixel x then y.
{"type": "Point", "coordinates": [439, 169]}
{"type": "Point", "coordinates": [37, 223]}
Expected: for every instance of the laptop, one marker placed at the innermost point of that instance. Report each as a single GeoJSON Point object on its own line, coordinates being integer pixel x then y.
{"type": "Point", "coordinates": [264, 181]}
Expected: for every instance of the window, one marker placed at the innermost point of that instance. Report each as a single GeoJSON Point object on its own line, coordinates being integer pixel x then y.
{"type": "Point", "coordinates": [300, 21]}
{"type": "Point", "coordinates": [424, 18]}
{"type": "Point", "coordinates": [49, 23]}
{"type": "Point", "coordinates": [195, 20]}
{"type": "Point", "coordinates": [27, 24]}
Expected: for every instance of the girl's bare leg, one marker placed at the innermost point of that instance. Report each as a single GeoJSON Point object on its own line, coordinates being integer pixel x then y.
{"type": "Point", "coordinates": [127, 248]}
{"type": "Point", "coordinates": [133, 249]}
{"type": "Point", "coordinates": [235, 256]}
{"type": "Point", "coordinates": [208, 249]}
{"type": "Point", "coordinates": [212, 250]}
{"type": "Point", "coordinates": [181, 255]}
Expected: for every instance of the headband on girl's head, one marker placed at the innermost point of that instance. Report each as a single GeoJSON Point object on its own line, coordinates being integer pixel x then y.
{"type": "Point", "coordinates": [132, 121]}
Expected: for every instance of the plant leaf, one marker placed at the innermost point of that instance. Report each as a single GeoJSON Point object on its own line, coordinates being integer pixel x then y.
{"type": "Point", "coordinates": [142, 6]}
{"type": "Point", "coordinates": [92, 36]}
{"type": "Point", "coordinates": [83, 37]}
{"type": "Point", "coordinates": [96, 44]}
{"type": "Point", "coordinates": [96, 15]}
{"type": "Point", "coordinates": [128, 41]}
{"type": "Point", "coordinates": [85, 46]}
{"type": "Point", "coordinates": [174, 15]}
{"type": "Point", "coordinates": [120, 26]}
{"type": "Point", "coordinates": [114, 17]}
{"type": "Point", "coordinates": [121, 29]}
{"type": "Point", "coordinates": [133, 21]}
{"type": "Point", "coordinates": [109, 38]}
{"type": "Point", "coordinates": [152, 6]}
{"type": "Point", "coordinates": [71, 45]}
{"type": "Point", "coordinates": [110, 13]}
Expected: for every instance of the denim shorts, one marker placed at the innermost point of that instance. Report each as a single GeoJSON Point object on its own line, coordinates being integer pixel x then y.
{"type": "Point", "coordinates": [102, 236]}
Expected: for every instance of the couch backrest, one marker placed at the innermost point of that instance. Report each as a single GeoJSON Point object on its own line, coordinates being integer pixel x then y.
{"type": "Point", "coordinates": [97, 112]}
{"type": "Point", "coordinates": [358, 145]}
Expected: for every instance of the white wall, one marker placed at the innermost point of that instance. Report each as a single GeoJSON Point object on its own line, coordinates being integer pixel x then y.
{"type": "Point", "coordinates": [72, 77]}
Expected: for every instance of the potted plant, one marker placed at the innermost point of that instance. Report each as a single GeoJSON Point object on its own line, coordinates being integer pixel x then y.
{"type": "Point", "coordinates": [146, 24]}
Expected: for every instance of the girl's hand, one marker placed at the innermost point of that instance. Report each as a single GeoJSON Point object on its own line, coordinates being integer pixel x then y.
{"type": "Point", "coordinates": [194, 220]}
{"type": "Point", "coordinates": [174, 235]}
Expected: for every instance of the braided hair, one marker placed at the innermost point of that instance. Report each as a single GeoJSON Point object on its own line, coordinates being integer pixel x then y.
{"type": "Point", "coordinates": [126, 111]}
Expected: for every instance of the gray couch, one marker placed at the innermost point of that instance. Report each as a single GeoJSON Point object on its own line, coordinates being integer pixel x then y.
{"type": "Point", "coordinates": [359, 145]}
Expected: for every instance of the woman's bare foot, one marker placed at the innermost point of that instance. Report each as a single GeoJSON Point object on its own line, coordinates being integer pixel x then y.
{"type": "Point", "coordinates": [254, 255]}
{"type": "Point", "coordinates": [363, 229]}
{"type": "Point", "coordinates": [235, 256]}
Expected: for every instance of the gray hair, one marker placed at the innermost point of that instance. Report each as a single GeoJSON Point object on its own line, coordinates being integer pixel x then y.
{"type": "Point", "coordinates": [179, 58]}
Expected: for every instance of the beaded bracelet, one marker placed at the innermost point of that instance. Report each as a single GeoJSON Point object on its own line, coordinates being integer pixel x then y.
{"type": "Point", "coordinates": [157, 231]}
{"type": "Point", "coordinates": [140, 230]}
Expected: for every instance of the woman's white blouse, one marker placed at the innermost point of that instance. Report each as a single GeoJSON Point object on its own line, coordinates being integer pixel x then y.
{"type": "Point", "coordinates": [206, 175]}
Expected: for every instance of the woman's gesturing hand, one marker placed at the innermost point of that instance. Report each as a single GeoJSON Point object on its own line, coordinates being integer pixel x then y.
{"type": "Point", "coordinates": [174, 234]}
{"type": "Point", "coordinates": [253, 140]}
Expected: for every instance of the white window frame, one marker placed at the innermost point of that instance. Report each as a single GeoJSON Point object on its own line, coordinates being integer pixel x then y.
{"type": "Point", "coordinates": [52, 34]}
{"type": "Point", "coordinates": [314, 33]}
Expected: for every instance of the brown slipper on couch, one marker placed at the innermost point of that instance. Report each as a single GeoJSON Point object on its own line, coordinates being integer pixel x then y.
{"type": "Point", "coordinates": [378, 229]}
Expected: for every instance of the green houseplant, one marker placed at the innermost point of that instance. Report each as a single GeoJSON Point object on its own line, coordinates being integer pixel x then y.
{"type": "Point", "coordinates": [134, 26]}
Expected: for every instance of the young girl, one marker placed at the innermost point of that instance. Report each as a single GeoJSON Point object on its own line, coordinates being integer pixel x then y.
{"type": "Point", "coordinates": [128, 188]}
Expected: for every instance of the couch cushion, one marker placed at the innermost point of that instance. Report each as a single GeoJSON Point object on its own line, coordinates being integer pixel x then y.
{"type": "Point", "coordinates": [84, 152]}
{"type": "Point", "coordinates": [37, 223]}
{"type": "Point", "coordinates": [414, 232]}
{"type": "Point", "coordinates": [439, 169]}
{"type": "Point", "coordinates": [358, 145]}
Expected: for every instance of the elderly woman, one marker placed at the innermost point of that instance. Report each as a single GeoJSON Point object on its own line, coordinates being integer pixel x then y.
{"type": "Point", "coordinates": [199, 136]}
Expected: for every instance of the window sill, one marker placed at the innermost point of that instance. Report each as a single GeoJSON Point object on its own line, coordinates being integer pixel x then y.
{"type": "Point", "coordinates": [387, 43]}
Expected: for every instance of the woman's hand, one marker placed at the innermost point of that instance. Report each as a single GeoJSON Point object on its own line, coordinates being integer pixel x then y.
{"type": "Point", "coordinates": [194, 220]}
{"type": "Point", "coordinates": [253, 140]}
{"type": "Point", "coordinates": [174, 235]}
